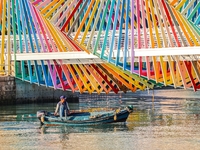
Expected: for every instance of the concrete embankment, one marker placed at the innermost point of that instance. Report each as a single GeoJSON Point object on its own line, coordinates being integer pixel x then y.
{"type": "Point", "coordinates": [15, 91]}
{"type": "Point", "coordinates": [7, 90]}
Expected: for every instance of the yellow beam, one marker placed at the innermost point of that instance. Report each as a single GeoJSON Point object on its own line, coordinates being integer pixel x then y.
{"type": "Point", "coordinates": [2, 71]}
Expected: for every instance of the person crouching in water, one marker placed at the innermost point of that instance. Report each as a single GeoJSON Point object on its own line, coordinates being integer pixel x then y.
{"type": "Point", "coordinates": [62, 107]}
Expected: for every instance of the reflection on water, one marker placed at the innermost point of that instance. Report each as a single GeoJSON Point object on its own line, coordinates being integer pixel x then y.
{"type": "Point", "coordinates": [84, 129]}
{"type": "Point", "coordinates": [159, 125]}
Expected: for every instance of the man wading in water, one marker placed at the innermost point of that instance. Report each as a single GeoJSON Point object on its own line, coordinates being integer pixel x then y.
{"type": "Point", "coordinates": [62, 107]}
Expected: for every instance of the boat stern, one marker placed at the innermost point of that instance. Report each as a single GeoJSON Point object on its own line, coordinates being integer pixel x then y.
{"type": "Point", "coordinates": [40, 115]}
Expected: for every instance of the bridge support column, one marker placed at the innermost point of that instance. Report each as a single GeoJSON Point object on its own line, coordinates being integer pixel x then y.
{"type": "Point", "coordinates": [15, 91]}
{"type": "Point", "coordinates": [7, 90]}
{"type": "Point", "coordinates": [32, 93]}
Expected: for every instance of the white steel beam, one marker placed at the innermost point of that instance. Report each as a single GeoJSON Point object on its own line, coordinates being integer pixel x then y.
{"type": "Point", "coordinates": [75, 57]}
{"type": "Point", "coordinates": [168, 51]}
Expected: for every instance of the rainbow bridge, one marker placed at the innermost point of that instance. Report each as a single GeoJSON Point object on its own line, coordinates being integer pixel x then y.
{"type": "Point", "coordinates": [99, 46]}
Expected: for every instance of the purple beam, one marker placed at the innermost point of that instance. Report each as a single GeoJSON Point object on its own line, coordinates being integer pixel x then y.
{"type": "Point", "coordinates": [132, 36]}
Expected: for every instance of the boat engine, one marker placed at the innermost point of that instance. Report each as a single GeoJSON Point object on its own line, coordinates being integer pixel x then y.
{"type": "Point", "coordinates": [41, 113]}
{"type": "Point", "coordinates": [40, 116]}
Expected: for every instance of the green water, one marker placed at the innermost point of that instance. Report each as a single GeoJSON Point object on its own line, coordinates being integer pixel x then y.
{"type": "Point", "coordinates": [165, 124]}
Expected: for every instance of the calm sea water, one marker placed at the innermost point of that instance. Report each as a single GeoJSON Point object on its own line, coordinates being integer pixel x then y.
{"type": "Point", "coordinates": [164, 124]}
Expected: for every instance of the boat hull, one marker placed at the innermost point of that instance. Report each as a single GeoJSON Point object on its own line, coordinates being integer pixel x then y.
{"type": "Point", "coordinates": [85, 118]}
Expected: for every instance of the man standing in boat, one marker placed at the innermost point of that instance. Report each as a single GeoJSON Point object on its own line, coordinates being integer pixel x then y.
{"type": "Point", "coordinates": [62, 107]}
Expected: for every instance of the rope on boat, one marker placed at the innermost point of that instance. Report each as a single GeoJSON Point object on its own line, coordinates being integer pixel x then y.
{"type": "Point", "coordinates": [116, 112]}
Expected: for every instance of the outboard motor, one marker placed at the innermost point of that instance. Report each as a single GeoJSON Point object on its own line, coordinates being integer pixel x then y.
{"type": "Point", "coordinates": [40, 116]}
{"type": "Point", "coordinates": [40, 113]}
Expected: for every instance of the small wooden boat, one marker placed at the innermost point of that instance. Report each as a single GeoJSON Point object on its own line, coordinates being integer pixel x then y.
{"type": "Point", "coordinates": [85, 118]}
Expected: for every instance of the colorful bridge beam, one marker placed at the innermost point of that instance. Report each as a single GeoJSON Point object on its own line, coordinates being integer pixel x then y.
{"type": "Point", "coordinates": [114, 31]}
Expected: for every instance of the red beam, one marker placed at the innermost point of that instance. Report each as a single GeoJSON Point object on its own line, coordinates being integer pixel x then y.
{"type": "Point", "coordinates": [71, 15]}
{"type": "Point", "coordinates": [105, 78]}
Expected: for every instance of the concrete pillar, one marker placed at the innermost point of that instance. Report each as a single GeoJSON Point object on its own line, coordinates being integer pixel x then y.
{"type": "Point", "coordinates": [7, 90]}
{"type": "Point", "coordinates": [28, 93]}
{"type": "Point", "coordinates": [15, 91]}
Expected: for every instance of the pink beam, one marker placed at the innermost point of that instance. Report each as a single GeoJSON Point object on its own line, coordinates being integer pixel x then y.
{"type": "Point", "coordinates": [36, 2]}
{"type": "Point", "coordinates": [132, 36]}
{"type": "Point", "coordinates": [65, 13]}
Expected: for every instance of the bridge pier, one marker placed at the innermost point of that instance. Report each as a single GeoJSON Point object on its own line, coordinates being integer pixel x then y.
{"type": "Point", "coordinates": [7, 90]}
{"type": "Point", "coordinates": [15, 91]}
